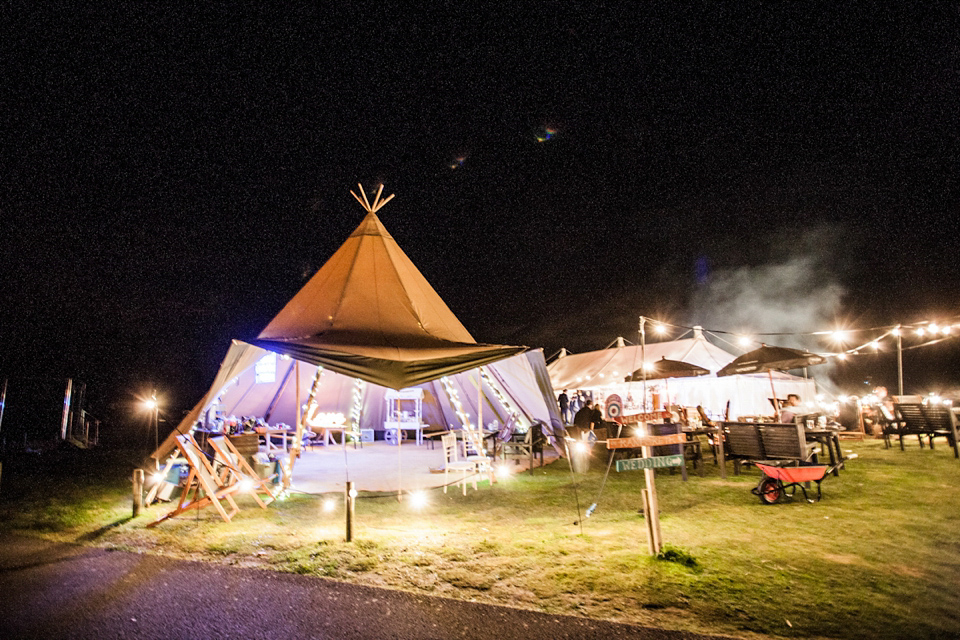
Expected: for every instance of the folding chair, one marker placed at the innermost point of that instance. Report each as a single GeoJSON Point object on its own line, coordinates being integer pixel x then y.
{"type": "Point", "coordinates": [234, 468]}
{"type": "Point", "coordinates": [201, 478]}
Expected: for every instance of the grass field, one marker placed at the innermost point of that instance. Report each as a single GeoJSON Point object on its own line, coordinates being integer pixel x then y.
{"type": "Point", "coordinates": [878, 557]}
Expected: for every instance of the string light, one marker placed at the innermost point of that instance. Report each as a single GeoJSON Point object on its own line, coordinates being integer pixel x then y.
{"type": "Point", "coordinates": [504, 400]}
{"type": "Point", "coordinates": [357, 408]}
{"type": "Point", "coordinates": [455, 400]}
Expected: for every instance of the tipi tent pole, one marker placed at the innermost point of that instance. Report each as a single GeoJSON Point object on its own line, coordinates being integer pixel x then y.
{"type": "Point", "coordinates": [295, 449]}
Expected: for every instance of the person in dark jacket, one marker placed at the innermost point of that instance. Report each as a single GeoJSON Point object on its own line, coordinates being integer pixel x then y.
{"type": "Point", "coordinates": [597, 417]}
{"type": "Point", "coordinates": [564, 401]}
{"type": "Point", "coordinates": [584, 417]}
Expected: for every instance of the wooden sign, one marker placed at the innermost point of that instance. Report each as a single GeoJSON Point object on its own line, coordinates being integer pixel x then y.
{"type": "Point", "coordinates": [645, 441]}
{"type": "Point", "coordinates": [656, 462]}
{"type": "Point", "coordinates": [643, 417]}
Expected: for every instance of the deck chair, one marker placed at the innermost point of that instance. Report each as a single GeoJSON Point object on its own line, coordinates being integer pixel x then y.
{"type": "Point", "coordinates": [453, 463]}
{"type": "Point", "coordinates": [234, 468]}
{"type": "Point", "coordinates": [201, 479]}
{"type": "Point", "coordinates": [161, 490]}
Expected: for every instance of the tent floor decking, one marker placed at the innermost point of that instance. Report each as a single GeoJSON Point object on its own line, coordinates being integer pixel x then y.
{"type": "Point", "coordinates": [379, 466]}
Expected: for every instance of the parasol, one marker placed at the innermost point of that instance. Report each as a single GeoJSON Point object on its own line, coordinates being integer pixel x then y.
{"type": "Point", "coordinates": [664, 369]}
{"type": "Point", "coordinates": [771, 359]}
{"type": "Point", "coordinates": [667, 369]}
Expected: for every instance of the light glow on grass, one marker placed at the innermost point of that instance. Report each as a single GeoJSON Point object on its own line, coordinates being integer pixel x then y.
{"type": "Point", "coordinates": [418, 500]}
{"type": "Point", "coordinates": [329, 505]}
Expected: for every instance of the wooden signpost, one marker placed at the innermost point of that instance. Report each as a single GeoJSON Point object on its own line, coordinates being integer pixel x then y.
{"type": "Point", "coordinates": [648, 463]}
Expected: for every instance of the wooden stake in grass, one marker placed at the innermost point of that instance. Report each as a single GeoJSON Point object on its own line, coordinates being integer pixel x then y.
{"type": "Point", "coordinates": [137, 491]}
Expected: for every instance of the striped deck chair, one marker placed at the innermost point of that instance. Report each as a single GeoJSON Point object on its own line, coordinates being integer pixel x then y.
{"type": "Point", "coordinates": [201, 479]}
{"type": "Point", "coordinates": [234, 468]}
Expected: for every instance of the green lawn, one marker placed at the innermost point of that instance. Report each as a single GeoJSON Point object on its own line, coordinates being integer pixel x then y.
{"type": "Point", "coordinates": [878, 557]}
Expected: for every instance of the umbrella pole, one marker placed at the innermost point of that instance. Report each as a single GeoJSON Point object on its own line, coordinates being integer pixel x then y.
{"type": "Point", "coordinates": [773, 390]}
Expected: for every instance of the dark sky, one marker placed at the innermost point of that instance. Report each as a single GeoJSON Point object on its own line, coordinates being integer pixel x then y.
{"type": "Point", "coordinates": [171, 176]}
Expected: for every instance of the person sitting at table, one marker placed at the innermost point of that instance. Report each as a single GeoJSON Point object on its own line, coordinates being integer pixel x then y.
{"type": "Point", "coordinates": [789, 413]}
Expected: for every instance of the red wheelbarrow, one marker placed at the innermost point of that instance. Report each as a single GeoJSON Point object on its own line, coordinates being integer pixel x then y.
{"type": "Point", "coordinates": [781, 483]}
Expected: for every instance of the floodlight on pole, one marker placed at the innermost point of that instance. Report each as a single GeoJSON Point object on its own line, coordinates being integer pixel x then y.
{"type": "Point", "coordinates": [152, 405]}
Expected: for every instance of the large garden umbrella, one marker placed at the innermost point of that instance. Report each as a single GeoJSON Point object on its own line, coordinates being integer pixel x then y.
{"type": "Point", "coordinates": [667, 369]}
{"type": "Point", "coordinates": [664, 369]}
{"type": "Point", "coordinates": [770, 359]}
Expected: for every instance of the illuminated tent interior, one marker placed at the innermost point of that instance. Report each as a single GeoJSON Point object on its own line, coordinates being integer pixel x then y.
{"type": "Point", "coordinates": [368, 321]}
{"type": "Point", "coordinates": [604, 371]}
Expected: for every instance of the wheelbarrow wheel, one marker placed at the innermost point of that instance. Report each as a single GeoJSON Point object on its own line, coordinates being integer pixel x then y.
{"type": "Point", "coordinates": [769, 491]}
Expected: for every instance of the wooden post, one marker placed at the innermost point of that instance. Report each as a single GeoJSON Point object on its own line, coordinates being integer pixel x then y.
{"type": "Point", "coordinates": [532, 458]}
{"type": "Point", "coordinates": [720, 454]}
{"type": "Point", "coordinates": [349, 510]}
{"type": "Point", "coordinates": [137, 492]}
{"type": "Point", "coordinates": [683, 454]}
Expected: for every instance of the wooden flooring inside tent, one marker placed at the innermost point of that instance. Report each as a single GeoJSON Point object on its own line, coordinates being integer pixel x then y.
{"type": "Point", "coordinates": [379, 466]}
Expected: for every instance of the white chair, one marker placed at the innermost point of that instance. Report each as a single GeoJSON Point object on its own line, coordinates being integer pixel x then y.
{"type": "Point", "coordinates": [452, 462]}
{"type": "Point", "coordinates": [475, 452]}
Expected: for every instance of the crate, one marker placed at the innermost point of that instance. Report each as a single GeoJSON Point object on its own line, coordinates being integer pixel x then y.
{"type": "Point", "coordinates": [366, 435]}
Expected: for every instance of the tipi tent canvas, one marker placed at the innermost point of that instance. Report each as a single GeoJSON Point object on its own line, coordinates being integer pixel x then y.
{"type": "Point", "coordinates": [366, 322]}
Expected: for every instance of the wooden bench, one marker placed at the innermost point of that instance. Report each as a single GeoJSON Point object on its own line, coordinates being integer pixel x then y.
{"type": "Point", "coordinates": [741, 442]}
{"type": "Point", "coordinates": [785, 442]}
{"type": "Point", "coordinates": [930, 421]}
{"type": "Point", "coordinates": [751, 441]}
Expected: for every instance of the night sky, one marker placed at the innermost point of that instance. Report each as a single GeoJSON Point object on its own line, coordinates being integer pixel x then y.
{"type": "Point", "coordinates": [172, 176]}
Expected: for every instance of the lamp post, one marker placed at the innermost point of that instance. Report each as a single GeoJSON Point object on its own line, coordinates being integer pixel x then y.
{"type": "Point", "coordinates": [899, 332]}
{"type": "Point", "coordinates": [154, 407]}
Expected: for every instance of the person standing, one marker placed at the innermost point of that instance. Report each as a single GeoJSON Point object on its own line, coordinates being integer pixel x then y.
{"type": "Point", "coordinates": [597, 418]}
{"type": "Point", "coordinates": [564, 401]}
{"type": "Point", "coordinates": [584, 417]}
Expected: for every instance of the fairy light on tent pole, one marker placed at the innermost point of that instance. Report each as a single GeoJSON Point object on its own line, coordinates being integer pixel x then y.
{"type": "Point", "coordinates": [356, 409]}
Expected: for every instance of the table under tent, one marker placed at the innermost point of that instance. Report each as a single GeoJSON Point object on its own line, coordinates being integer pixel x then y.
{"type": "Point", "coordinates": [365, 336]}
{"type": "Point", "coordinates": [603, 374]}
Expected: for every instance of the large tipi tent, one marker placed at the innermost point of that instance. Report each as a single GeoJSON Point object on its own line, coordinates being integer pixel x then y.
{"type": "Point", "coordinates": [366, 322]}
{"type": "Point", "coordinates": [603, 372]}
